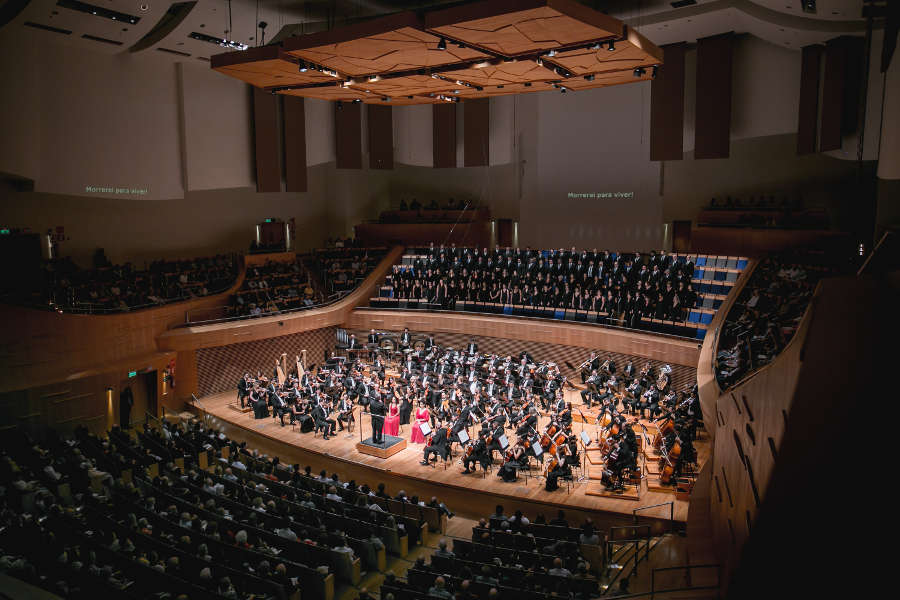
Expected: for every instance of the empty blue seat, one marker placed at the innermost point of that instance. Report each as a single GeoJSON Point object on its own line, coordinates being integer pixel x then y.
{"type": "Point", "coordinates": [701, 261]}
{"type": "Point", "coordinates": [507, 310]}
{"type": "Point", "coordinates": [701, 333]}
{"type": "Point", "coordinates": [715, 304]}
{"type": "Point", "coordinates": [559, 314]}
{"type": "Point", "coordinates": [731, 276]}
{"type": "Point", "coordinates": [698, 273]}
{"type": "Point", "coordinates": [706, 318]}
{"type": "Point", "coordinates": [731, 263]}
{"type": "Point", "coordinates": [709, 274]}
{"type": "Point", "coordinates": [694, 317]}
{"type": "Point", "coordinates": [720, 275]}
{"type": "Point", "coordinates": [741, 264]}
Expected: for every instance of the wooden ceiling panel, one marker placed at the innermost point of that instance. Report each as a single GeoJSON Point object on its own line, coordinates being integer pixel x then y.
{"type": "Point", "coordinates": [502, 74]}
{"type": "Point", "coordinates": [412, 85]}
{"type": "Point", "coordinates": [390, 44]}
{"type": "Point", "coordinates": [493, 48]}
{"type": "Point", "coordinates": [513, 28]}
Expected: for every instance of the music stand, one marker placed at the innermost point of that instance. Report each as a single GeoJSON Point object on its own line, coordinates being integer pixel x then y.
{"type": "Point", "coordinates": [586, 441]}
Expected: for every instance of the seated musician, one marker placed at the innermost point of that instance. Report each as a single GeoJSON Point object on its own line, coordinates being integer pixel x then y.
{"type": "Point", "coordinates": [345, 412]}
{"type": "Point", "coordinates": [529, 425]}
{"type": "Point", "coordinates": [565, 416]}
{"type": "Point", "coordinates": [558, 468]}
{"type": "Point", "coordinates": [476, 452]}
{"type": "Point", "coordinates": [590, 367]}
{"type": "Point", "coordinates": [439, 445]}
{"type": "Point", "coordinates": [593, 383]}
{"type": "Point", "coordinates": [405, 338]}
{"type": "Point", "coordinates": [515, 459]}
{"type": "Point", "coordinates": [279, 407]}
{"type": "Point", "coordinates": [320, 417]}
{"type": "Point", "coordinates": [353, 343]}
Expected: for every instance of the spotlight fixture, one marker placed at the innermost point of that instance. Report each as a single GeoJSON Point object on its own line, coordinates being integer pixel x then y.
{"type": "Point", "coordinates": [385, 98]}
{"type": "Point", "coordinates": [562, 89]}
{"type": "Point", "coordinates": [442, 44]}
{"type": "Point", "coordinates": [527, 84]}
{"type": "Point", "coordinates": [478, 88]}
{"type": "Point", "coordinates": [639, 72]}
{"type": "Point", "coordinates": [373, 78]}
{"type": "Point", "coordinates": [303, 67]}
{"type": "Point", "coordinates": [594, 46]}
{"type": "Point", "coordinates": [539, 62]}
{"type": "Point", "coordinates": [340, 104]}
{"type": "Point", "coordinates": [357, 100]}
{"type": "Point", "coordinates": [589, 77]}
{"type": "Point", "coordinates": [612, 46]}
{"type": "Point", "coordinates": [460, 45]}
{"type": "Point", "coordinates": [551, 53]}
{"type": "Point", "coordinates": [654, 71]}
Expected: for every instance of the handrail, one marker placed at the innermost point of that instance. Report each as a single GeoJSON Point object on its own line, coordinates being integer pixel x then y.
{"type": "Point", "coordinates": [671, 504]}
{"type": "Point", "coordinates": [687, 569]}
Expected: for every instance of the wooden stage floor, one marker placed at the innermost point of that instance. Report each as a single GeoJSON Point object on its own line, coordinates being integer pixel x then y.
{"type": "Point", "coordinates": [472, 496]}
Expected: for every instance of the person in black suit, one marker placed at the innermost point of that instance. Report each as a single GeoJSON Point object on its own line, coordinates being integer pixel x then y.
{"type": "Point", "coordinates": [472, 348]}
{"type": "Point", "coordinates": [377, 409]}
{"type": "Point", "coordinates": [439, 446]}
{"type": "Point", "coordinates": [320, 417]}
{"type": "Point", "coordinates": [479, 454]}
{"type": "Point", "coordinates": [126, 401]}
{"type": "Point", "coordinates": [405, 338]}
{"type": "Point", "coordinates": [242, 389]}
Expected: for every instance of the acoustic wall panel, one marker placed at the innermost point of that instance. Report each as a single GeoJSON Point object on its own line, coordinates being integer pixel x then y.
{"type": "Point", "coordinates": [808, 111]}
{"type": "Point", "coordinates": [380, 123]}
{"type": "Point", "coordinates": [476, 132]}
{"type": "Point", "coordinates": [713, 107]}
{"type": "Point", "coordinates": [667, 106]}
{"type": "Point", "coordinates": [294, 144]}
{"type": "Point", "coordinates": [348, 135]}
{"type": "Point", "coordinates": [444, 140]}
{"type": "Point", "coordinates": [265, 125]}
{"type": "Point", "coordinates": [833, 95]}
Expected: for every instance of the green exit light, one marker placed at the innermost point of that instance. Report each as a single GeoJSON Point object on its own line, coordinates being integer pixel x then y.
{"type": "Point", "coordinates": [132, 374]}
{"type": "Point", "coordinates": [269, 220]}
{"type": "Point", "coordinates": [4, 231]}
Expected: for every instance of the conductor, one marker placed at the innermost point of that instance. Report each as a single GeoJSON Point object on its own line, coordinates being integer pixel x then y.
{"type": "Point", "coordinates": [377, 409]}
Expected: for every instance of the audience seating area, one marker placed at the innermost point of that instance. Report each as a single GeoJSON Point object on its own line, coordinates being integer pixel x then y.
{"type": "Point", "coordinates": [274, 287]}
{"type": "Point", "coordinates": [762, 212]}
{"type": "Point", "coordinates": [766, 315]}
{"type": "Point", "coordinates": [183, 512]}
{"type": "Point", "coordinates": [337, 271]}
{"type": "Point", "coordinates": [510, 557]}
{"type": "Point", "coordinates": [675, 294]}
{"type": "Point", "coordinates": [108, 288]}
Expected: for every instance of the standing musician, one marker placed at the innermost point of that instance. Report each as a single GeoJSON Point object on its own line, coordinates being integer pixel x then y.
{"type": "Point", "coordinates": [242, 386]}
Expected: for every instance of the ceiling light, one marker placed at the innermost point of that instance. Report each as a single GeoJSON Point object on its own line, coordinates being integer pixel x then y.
{"type": "Point", "coordinates": [654, 71]}
{"type": "Point", "coordinates": [442, 44]}
{"type": "Point", "coordinates": [563, 90]}
{"type": "Point", "coordinates": [612, 46]}
{"type": "Point", "coordinates": [551, 53]}
{"type": "Point", "coordinates": [460, 45]}
{"type": "Point", "coordinates": [594, 46]}
{"type": "Point", "coordinates": [373, 78]}
{"type": "Point", "coordinates": [303, 67]}
{"type": "Point", "coordinates": [527, 84]}
{"type": "Point", "coordinates": [385, 98]}
{"type": "Point", "coordinates": [539, 62]}
{"type": "Point", "coordinates": [357, 100]}
{"type": "Point", "coordinates": [589, 77]}
{"type": "Point", "coordinates": [639, 72]}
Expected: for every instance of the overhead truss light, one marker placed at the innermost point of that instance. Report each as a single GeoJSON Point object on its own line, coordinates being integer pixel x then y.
{"type": "Point", "coordinates": [612, 46]}
{"type": "Point", "coordinates": [442, 44]}
{"type": "Point", "coordinates": [640, 72]}
{"type": "Point", "coordinates": [98, 11]}
{"type": "Point", "coordinates": [232, 44]}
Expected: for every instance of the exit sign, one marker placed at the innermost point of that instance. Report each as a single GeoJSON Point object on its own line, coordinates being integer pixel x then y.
{"type": "Point", "coordinates": [132, 374]}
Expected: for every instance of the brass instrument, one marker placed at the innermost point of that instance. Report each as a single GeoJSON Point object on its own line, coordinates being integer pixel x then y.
{"type": "Point", "coordinates": [662, 381]}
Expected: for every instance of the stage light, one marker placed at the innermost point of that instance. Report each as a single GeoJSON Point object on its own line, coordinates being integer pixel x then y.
{"type": "Point", "coordinates": [654, 71]}
{"type": "Point", "coordinates": [373, 78]}
{"type": "Point", "coordinates": [527, 84]}
{"type": "Point", "coordinates": [639, 72]}
{"type": "Point", "coordinates": [442, 44]}
{"type": "Point", "coordinates": [589, 77]}
{"type": "Point", "coordinates": [303, 67]}
{"type": "Point", "coordinates": [563, 90]}
{"type": "Point", "coordinates": [460, 45]}
{"type": "Point", "coordinates": [357, 100]}
{"type": "Point", "coordinates": [594, 46]}
{"type": "Point", "coordinates": [551, 53]}
{"type": "Point", "coordinates": [612, 46]}
{"type": "Point", "coordinates": [385, 98]}
{"type": "Point", "coordinates": [539, 62]}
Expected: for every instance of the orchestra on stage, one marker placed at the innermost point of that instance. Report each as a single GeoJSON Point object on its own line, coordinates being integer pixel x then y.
{"type": "Point", "coordinates": [508, 411]}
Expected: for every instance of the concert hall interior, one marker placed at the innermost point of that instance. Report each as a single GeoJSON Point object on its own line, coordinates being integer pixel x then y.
{"type": "Point", "coordinates": [460, 299]}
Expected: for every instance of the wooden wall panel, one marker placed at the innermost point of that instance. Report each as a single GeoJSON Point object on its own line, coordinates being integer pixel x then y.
{"type": "Point", "coordinates": [268, 155]}
{"type": "Point", "coordinates": [658, 348]}
{"type": "Point", "coordinates": [444, 138]}
{"type": "Point", "coordinates": [808, 111]}
{"type": "Point", "coordinates": [477, 132]}
{"type": "Point", "coordinates": [380, 123]}
{"type": "Point", "coordinates": [833, 95]}
{"type": "Point", "coordinates": [348, 135]}
{"type": "Point", "coordinates": [667, 106]}
{"type": "Point", "coordinates": [713, 118]}
{"type": "Point", "coordinates": [219, 368]}
{"type": "Point", "coordinates": [294, 144]}
{"type": "Point", "coordinates": [43, 346]}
